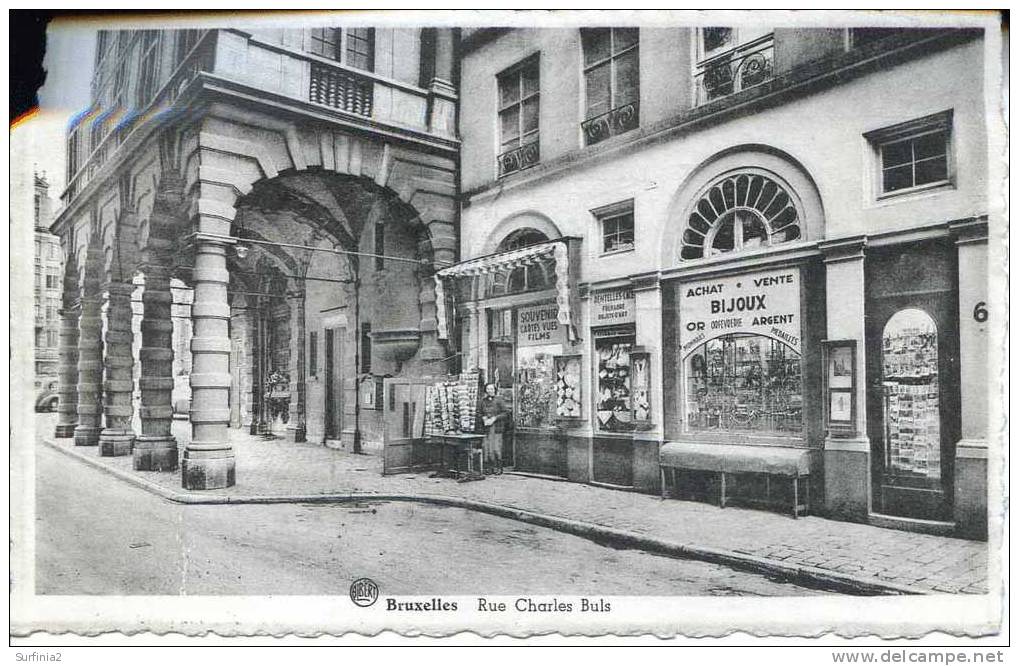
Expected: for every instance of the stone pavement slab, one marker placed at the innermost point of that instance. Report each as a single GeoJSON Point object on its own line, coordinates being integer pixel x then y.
{"type": "Point", "coordinates": [918, 561]}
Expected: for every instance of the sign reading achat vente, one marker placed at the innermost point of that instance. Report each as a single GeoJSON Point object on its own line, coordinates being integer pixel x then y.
{"type": "Point", "coordinates": [539, 325]}
{"type": "Point", "coordinates": [765, 303]}
{"type": "Point", "coordinates": [613, 306]}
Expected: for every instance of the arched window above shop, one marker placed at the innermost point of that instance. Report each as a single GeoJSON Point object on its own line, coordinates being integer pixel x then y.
{"type": "Point", "coordinates": [740, 211]}
{"type": "Point", "coordinates": [532, 277]}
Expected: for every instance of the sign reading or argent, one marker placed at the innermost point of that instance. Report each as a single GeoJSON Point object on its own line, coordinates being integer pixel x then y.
{"type": "Point", "coordinates": [765, 303]}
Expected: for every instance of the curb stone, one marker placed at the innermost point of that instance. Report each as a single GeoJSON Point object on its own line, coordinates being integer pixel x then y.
{"type": "Point", "coordinates": [826, 579]}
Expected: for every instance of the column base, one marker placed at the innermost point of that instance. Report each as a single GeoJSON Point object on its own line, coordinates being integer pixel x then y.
{"type": "Point", "coordinates": [297, 435]}
{"type": "Point", "coordinates": [155, 453]}
{"type": "Point", "coordinates": [970, 506]}
{"type": "Point", "coordinates": [207, 470]}
{"type": "Point", "coordinates": [115, 443]}
{"type": "Point", "coordinates": [86, 436]}
{"type": "Point", "coordinates": [63, 431]}
{"type": "Point", "coordinates": [847, 479]}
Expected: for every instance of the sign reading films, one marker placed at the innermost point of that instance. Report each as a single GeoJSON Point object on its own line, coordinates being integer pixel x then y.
{"type": "Point", "coordinates": [765, 303]}
{"type": "Point", "coordinates": [539, 325]}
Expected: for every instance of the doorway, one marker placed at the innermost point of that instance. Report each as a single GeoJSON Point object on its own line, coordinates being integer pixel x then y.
{"type": "Point", "coordinates": [333, 383]}
{"type": "Point", "coordinates": [913, 384]}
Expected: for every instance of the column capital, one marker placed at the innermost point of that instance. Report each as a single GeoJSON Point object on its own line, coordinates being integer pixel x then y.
{"type": "Point", "coordinates": [970, 230]}
{"type": "Point", "coordinates": [851, 248]}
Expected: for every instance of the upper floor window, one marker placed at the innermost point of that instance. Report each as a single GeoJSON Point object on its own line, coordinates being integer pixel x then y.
{"type": "Point", "coordinates": [360, 48]}
{"type": "Point", "coordinates": [148, 79]}
{"type": "Point", "coordinates": [325, 42]}
{"type": "Point", "coordinates": [732, 59]}
{"type": "Point", "coordinates": [611, 80]}
{"type": "Point", "coordinates": [913, 155]}
{"type": "Point", "coordinates": [742, 211]}
{"type": "Point", "coordinates": [519, 106]}
{"type": "Point", "coordinates": [186, 40]}
{"type": "Point", "coordinates": [354, 47]}
{"type": "Point", "coordinates": [617, 229]}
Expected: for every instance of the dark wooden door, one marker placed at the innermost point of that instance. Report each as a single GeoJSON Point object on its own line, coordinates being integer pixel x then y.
{"type": "Point", "coordinates": [333, 384]}
{"type": "Point", "coordinates": [913, 386]}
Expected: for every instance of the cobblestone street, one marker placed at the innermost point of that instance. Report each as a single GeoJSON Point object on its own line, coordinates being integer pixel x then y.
{"type": "Point", "coordinates": [932, 563]}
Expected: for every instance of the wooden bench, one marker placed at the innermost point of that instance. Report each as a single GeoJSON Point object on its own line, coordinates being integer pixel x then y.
{"type": "Point", "coordinates": [793, 465]}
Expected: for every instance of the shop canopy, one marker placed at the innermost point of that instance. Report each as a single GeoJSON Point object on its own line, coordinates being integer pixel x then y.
{"type": "Point", "coordinates": [565, 252]}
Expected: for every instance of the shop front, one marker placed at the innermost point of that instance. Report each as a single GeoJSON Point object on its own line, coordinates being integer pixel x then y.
{"type": "Point", "coordinates": [520, 310]}
{"type": "Point", "coordinates": [744, 412]}
{"type": "Point", "coordinates": [621, 375]}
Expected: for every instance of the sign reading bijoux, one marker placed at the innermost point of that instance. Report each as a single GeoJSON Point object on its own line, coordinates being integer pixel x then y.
{"type": "Point", "coordinates": [613, 306]}
{"type": "Point", "coordinates": [539, 325]}
{"type": "Point", "coordinates": [765, 303]}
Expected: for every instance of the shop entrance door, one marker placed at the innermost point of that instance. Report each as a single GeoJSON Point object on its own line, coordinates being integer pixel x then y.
{"type": "Point", "coordinates": [334, 383]}
{"type": "Point", "coordinates": [912, 404]}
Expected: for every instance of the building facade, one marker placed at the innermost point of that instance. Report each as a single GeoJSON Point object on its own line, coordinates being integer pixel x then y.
{"type": "Point", "coordinates": [274, 200]}
{"type": "Point", "coordinates": [778, 240]}
{"type": "Point", "coordinates": [48, 290]}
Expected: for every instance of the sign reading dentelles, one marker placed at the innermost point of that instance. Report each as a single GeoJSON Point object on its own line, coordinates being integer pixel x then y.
{"type": "Point", "coordinates": [539, 325]}
{"type": "Point", "coordinates": [759, 303]}
{"type": "Point", "coordinates": [613, 306]}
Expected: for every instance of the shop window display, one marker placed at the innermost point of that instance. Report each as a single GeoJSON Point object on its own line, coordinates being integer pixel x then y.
{"type": "Point", "coordinates": [568, 387]}
{"type": "Point", "coordinates": [535, 405]}
{"type": "Point", "coordinates": [613, 401]}
{"type": "Point", "coordinates": [744, 382]}
{"type": "Point", "coordinates": [909, 369]}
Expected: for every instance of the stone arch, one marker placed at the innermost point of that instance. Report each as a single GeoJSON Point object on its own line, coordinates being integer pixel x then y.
{"type": "Point", "coordinates": [767, 162]}
{"type": "Point", "coordinates": [531, 219]}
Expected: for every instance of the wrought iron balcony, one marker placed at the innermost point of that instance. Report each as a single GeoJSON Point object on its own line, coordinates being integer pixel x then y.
{"type": "Point", "coordinates": [618, 120]}
{"type": "Point", "coordinates": [341, 89]}
{"type": "Point", "coordinates": [519, 158]}
{"type": "Point", "coordinates": [744, 67]}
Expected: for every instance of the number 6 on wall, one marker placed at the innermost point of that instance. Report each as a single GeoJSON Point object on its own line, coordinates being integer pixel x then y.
{"type": "Point", "coordinates": [980, 313]}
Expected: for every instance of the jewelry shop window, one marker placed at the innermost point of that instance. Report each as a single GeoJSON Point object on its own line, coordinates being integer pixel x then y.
{"type": "Point", "coordinates": [741, 354]}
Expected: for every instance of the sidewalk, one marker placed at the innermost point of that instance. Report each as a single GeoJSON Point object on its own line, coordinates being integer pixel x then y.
{"type": "Point", "coordinates": [878, 558]}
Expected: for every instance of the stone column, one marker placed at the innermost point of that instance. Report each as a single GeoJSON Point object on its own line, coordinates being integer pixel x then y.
{"type": "Point", "coordinates": [155, 449]}
{"type": "Point", "coordinates": [847, 481]}
{"type": "Point", "coordinates": [975, 315]}
{"type": "Point", "coordinates": [297, 427]}
{"type": "Point", "coordinates": [90, 364]}
{"type": "Point", "coordinates": [117, 438]}
{"type": "Point", "coordinates": [68, 373]}
{"type": "Point", "coordinates": [442, 92]}
{"type": "Point", "coordinates": [209, 458]}
{"type": "Point", "coordinates": [438, 240]}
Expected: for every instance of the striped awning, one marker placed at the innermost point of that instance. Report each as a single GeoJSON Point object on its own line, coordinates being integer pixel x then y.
{"type": "Point", "coordinates": [508, 261]}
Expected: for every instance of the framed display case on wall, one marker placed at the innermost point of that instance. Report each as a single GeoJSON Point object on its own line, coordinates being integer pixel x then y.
{"type": "Point", "coordinates": [569, 401]}
{"type": "Point", "coordinates": [840, 406]}
{"type": "Point", "coordinates": [640, 387]}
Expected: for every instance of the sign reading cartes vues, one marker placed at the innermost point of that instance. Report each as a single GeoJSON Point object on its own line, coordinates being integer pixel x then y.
{"type": "Point", "coordinates": [766, 303]}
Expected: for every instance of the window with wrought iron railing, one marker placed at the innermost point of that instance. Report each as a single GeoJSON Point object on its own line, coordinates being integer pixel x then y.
{"type": "Point", "coordinates": [732, 59]}
{"type": "Point", "coordinates": [611, 82]}
{"type": "Point", "coordinates": [519, 110]}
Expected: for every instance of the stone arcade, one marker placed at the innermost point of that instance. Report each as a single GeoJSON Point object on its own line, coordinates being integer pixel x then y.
{"type": "Point", "coordinates": [303, 197]}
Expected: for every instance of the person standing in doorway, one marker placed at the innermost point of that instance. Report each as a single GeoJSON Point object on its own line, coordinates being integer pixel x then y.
{"type": "Point", "coordinates": [493, 416]}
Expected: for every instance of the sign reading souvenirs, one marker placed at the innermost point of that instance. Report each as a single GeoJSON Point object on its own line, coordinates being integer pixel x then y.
{"type": "Point", "coordinates": [613, 306]}
{"type": "Point", "coordinates": [759, 303]}
{"type": "Point", "coordinates": [539, 325]}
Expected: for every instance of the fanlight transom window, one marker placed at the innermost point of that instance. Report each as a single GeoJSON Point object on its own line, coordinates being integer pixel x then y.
{"type": "Point", "coordinates": [743, 211]}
